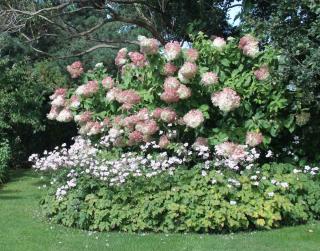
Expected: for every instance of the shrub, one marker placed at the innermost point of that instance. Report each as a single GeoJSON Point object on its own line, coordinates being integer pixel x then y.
{"type": "Point", "coordinates": [266, 197]}
{"type": "Point", "coordinates": [25, 89]}
{"type": "Point", "coordinates": [218, 90]}
{"type": "Point", "coordinates": [5, 156]}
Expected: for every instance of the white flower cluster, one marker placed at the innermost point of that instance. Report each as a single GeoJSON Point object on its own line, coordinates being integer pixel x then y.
{"type": "Point", "coordinates": [307, 169]}
{"type": "Point", "coordinates": [62, 191]}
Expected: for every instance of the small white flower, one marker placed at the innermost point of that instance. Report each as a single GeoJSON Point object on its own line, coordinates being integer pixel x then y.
{"type": "Point", "coordinates": [232, 202]}
{"type": "Point", "coordinates": [99, 65]}
{"type": "Point", "coordinates": [284, 184]}
{"type": "Point", "coordinates": [271, 194]}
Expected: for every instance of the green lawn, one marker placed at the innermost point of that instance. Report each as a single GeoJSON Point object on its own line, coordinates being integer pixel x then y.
{"type": "Point", "coordinates": [21, 228]}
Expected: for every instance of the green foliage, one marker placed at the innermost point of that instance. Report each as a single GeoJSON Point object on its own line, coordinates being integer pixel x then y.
{"type": "Point", "coordinates": [17, 216]}
{"type": "Point", "coordinates": [25, 88]}
{"type": "Point", "coordinates": [190, 202]}
{"type": "Point", "coordinates": [293, 27]}
{"type": "Point", "coordinates": [5, 156]}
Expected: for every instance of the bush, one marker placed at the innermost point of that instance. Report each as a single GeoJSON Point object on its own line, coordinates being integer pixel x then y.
{"type": "Point", "coordinates": [266, 197]}
{"type": "Point", "coordinates": [5, 156]}
{"type": "Point", "coordinates": [25, 89]}
{"type": "Point", "coordinates": [217, 90]}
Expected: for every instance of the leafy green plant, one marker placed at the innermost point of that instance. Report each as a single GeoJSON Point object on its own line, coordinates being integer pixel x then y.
{"type": "Point", "coordinates": [269, 196]}
{"type": "Point", "coordinates": [5, 156]}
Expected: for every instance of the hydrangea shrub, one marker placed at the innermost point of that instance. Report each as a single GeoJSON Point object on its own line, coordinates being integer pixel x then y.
{"type": "Point", "coordinates": [220, 90]}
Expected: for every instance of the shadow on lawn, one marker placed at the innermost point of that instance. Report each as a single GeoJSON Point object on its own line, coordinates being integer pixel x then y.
{"type": "Point", "coordinates": [18, 174]}
{"type": "Point", "coordinates": [9, 197]}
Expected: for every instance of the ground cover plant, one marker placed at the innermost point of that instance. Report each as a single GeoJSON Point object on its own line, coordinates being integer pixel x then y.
{"type": "Point", "coordinates": [203, 120]}
{"type": "Point", "coordinates": [24, 229]}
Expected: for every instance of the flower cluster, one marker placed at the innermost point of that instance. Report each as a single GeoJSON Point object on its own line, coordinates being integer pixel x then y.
{"type": "Point", "coordinates": [219, 42]}
{"type": "Point", "coordinates": [209, 78]}
{"type": "Point", "coordinates": [59, 111]}
{"type": "Point", "coordinates": [172, 50]}
{"type": "Point", "coordinates": [88, 89]}
{"type": "Point", "coordinates": [121, 58]}
{"type": "Point", "coordinates": [262, 73]}
{"type": "Point", "coordinates": [193, 118]}
{"type": "Point", "coordinates": [249, 46]}
{"type": "Point", "coordinates": [254, 138]}
{"type": "Point", "coordinates": [75, 69]}
{"type": "Point", "coordinates": [191, 55]}
{"type": "Point", "coordinates": [174, 90]}
{"type": "Point", "coordinates": [187, 72]}
{"type": "Point", "coordinates": [234, 156]}
{"type": "Point", "coordinates": [148, 46]}
{"type": "Point", "coordinates": [169, 69]}
{"type": "Point", "coordinates": [227, 99]}
{"type": "Point", "coordinates": [137, 59]}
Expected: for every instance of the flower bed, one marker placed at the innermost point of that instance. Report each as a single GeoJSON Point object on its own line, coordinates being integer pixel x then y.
{"type": "Point", "coordinates": [212, 109]}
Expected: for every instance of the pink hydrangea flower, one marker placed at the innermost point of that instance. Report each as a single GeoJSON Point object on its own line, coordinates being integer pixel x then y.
{"type": "Point", "coordinates": [199, 142]}
{"type": "Point", "coordinates": [249, 45]}
{"type": "Point", "coordinates": [227, 99]}
{"type": "Point", "coordinates": [157, 113]}
{"type": "Point", "coordinates": [148, 46]}
{"type": "Point", "coordinates": [135, 137]}
{"type": "Point", "coordinates": [91, 88]}
{"type": "Point", "coordinates": [59, 101]}
{"type": "Point", "coordinates": [262, 73]}
{"type": "Point", "coordinates": [130, 122]}
{"type": "Point", "coordinates": [59, 92]}
{"type": "Point", "coordinates": [54, 112]}
{"type": "Point", "coordinates": [75, 69]}
{"type": "Point", "coordinates": [164, 141]}
{"type": "Point", "coordinates": [137, 59]}
{"type": "Point", "coordinates": [184, 92]}
{"type": "Point", "coordinates": [193, 118]}
{"type": "Point", "coordinates": [83, 117]}
{"type": "Point", "coordinates": [191, 55]}
{"type": "Point", "coordinates": [126, 106]}
{"type": "Point", "coordinates": [121, 57]}
{"type": "Point", "coordinates": [74, 101]}
{"type": "Point", "coordinates": [231, 150]}
{"type": "Point", "coordinates": [169, 69]}
{"type": "Point", "coordinates": [219, 42]}
{"type": "Point", "coordinates": [65, 116]}
{"type": "Point", "coordinates": [128, 97]}
{"type": "Point", "coordinates": [113, 93]}
{"type": "Point", "coordinates": [188, 70]}
{"type": "Point", "coordinates": [108, 82]}
{"type": "Point", "coordinates": [254, 138]}
{"type": "Point", "coordinates": [209, 78]}
{"type": "Point", "coordinates": [168, 115]}
{"type": "Point", "coordinates": [148, 127]}
{"type": "Point", "coordinates": [172, 50]}
{"type": "Point", "coordinates": [95, 128]}
{"type": "Point", "coordinates": [143, 114]}
{"type": "Point", "coordinates": [171, 83]}
{"type": "Point", "coordinates": [88, 89]}
{"type": "Point", "coordinates": [170, 96]}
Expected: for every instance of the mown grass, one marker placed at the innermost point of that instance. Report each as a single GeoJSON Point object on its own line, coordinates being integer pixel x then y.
{"type": "Point", "coordinates": [22, 228]}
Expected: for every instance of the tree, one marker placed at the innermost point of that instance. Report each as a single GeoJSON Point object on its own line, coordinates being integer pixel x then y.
{"type": "Point", "coordinates": [40, 23]}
